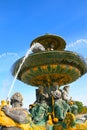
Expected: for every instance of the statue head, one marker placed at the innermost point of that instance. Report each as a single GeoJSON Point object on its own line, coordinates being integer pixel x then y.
{"type": "Point", "coordinates": [66, 88]}
{"type": "Point", "coordinates": [41, 89]}
{"type": "Point", "coordinates": [17, 97]}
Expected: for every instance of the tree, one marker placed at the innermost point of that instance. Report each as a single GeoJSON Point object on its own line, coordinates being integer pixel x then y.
{"type": "Point", "coordinates": [80, 106]}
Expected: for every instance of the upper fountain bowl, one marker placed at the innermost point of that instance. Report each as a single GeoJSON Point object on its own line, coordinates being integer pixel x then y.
{"type": "Point", "coordinates": [50, 42]}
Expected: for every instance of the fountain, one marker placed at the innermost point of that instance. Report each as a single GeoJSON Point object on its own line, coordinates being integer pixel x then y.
{"type": "Point", "coordinates": [48, 68]}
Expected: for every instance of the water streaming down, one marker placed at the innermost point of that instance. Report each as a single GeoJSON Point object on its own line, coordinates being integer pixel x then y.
{"type": "Point", "coordinates": [35, 48]}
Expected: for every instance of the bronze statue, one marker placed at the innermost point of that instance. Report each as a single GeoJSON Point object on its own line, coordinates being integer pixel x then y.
{"type": "Point", "coordinates": [40, 108]}
{"type": "Point", "coordinates": [60, 105]}
{"type": "Point", "coordinates": [65, 93]}
{"type": "Point", "coordinates": [16, 113]}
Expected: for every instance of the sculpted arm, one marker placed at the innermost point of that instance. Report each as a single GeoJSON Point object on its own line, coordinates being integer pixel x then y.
{"type": "Point", "coordinates": [17, 115]}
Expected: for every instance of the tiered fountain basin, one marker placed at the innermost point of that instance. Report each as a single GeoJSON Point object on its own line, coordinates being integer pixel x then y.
{"type": "Point", "coordinates": [63, 67]}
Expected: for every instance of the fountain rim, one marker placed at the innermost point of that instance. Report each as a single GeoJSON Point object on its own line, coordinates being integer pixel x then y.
{"type": "Point", "coordinates": [59, 43]}
{"type": "Point", "coordinates": [31, 58]}
{"type": "Point", "coordinates": [68, 53]}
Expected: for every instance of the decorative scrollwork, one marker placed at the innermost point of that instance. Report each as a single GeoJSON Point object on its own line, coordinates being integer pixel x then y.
{"type": "Point", "coordinates": [69, 120]}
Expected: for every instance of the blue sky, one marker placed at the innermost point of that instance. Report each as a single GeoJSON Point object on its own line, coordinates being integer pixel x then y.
{"type": "Point", "coordinates": [21, 21]}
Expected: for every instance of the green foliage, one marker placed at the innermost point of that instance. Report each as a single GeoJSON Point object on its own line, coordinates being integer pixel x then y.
{"type": "Point", "coordinates": [80, 106]}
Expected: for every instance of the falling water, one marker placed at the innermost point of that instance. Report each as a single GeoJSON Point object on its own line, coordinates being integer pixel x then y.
{"type": "Point", "coordinates": [36, 47]}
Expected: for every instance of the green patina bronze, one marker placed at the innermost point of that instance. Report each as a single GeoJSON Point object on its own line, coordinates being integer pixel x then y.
{"type": "Point", "coordinates": [45, 68]}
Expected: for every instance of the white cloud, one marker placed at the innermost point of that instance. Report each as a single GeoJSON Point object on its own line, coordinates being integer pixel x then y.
{"type": "Point", "coordinates": [79, 46]}
{"type": "Point", "coordinates": [9, 54]}
{"type": "Point", "coordinates": [73, 44]}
